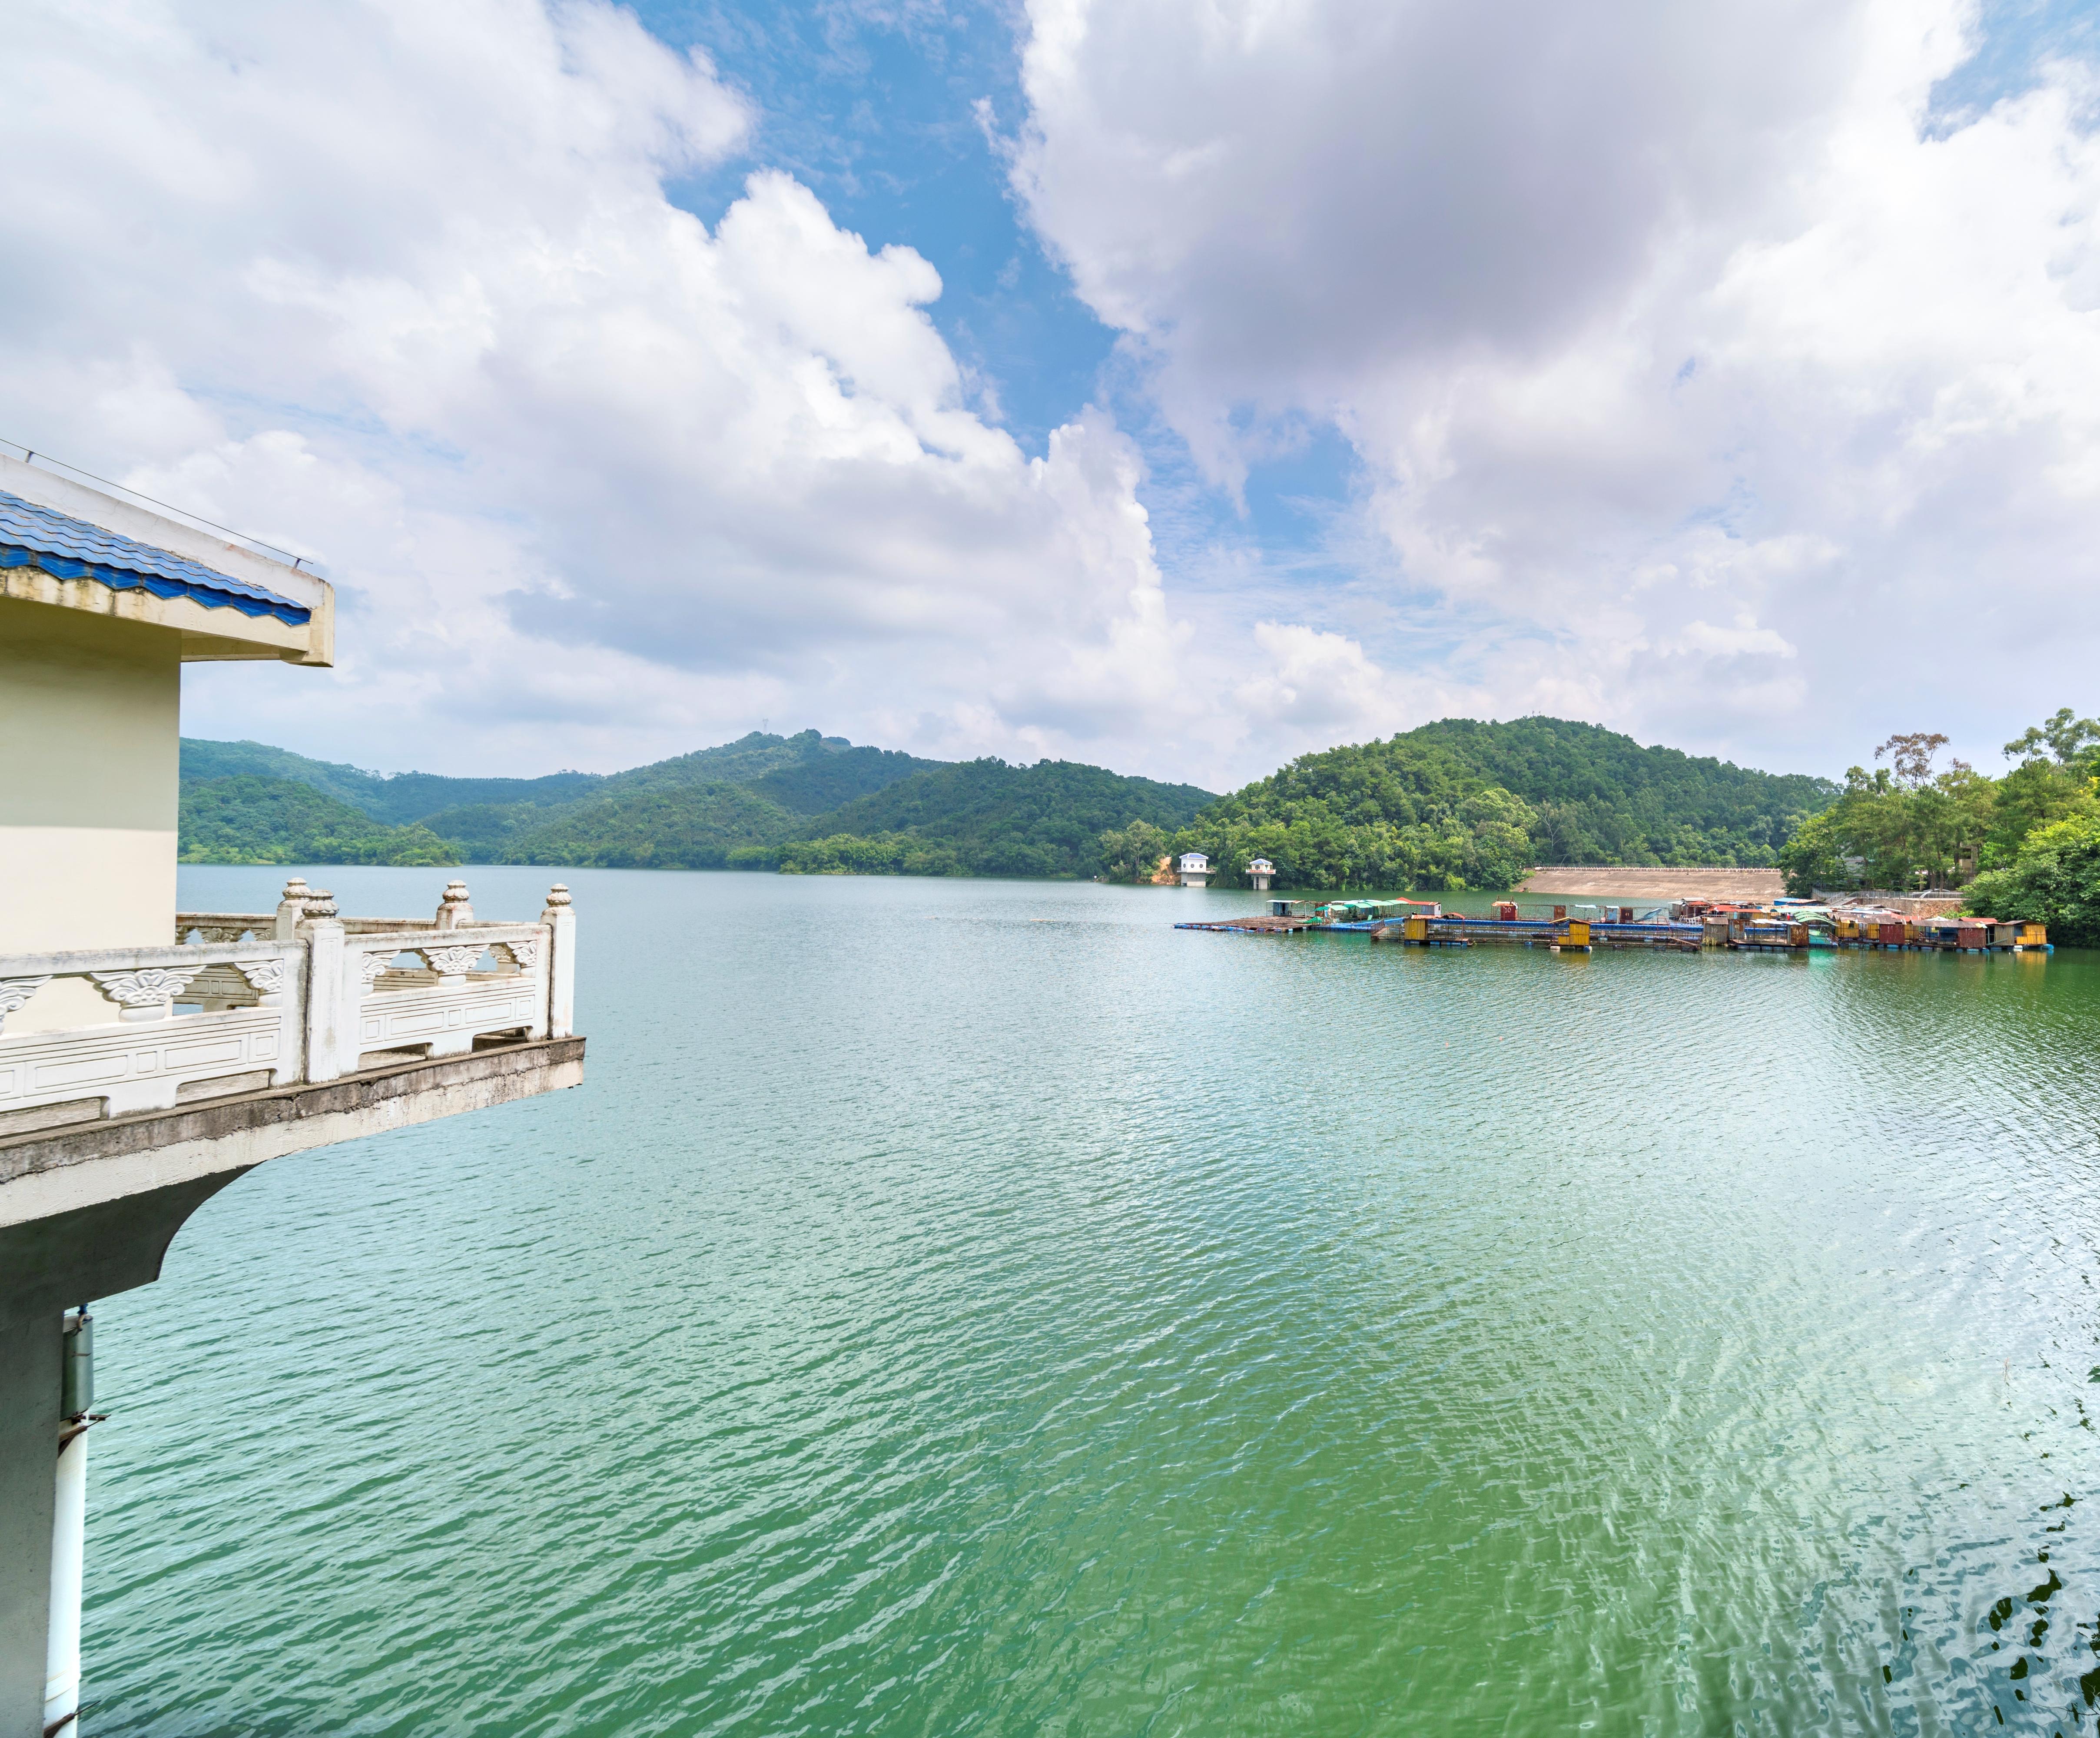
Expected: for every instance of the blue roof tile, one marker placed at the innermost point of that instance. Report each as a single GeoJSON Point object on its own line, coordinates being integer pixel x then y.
{"type": "Point", "coordinates": [34, 536]}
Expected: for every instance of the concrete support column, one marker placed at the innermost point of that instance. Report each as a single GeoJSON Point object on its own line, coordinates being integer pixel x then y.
{"type": "Point", "coordinates": [69, 1575]}
{"type": "Point", "coordinates": [30, 1356]}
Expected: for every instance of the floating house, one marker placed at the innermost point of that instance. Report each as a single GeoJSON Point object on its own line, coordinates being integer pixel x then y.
{"type": "Point", "coordinates": [149, 1056]}
{"type": "Point", "coordinates": [1262, 874]}
{"type": "Point", "coordinates": [1195, 869]}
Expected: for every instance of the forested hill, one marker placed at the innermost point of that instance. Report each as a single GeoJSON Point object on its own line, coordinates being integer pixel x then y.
{"type": "Point", "coordinates": [395, 799]}
{"type": "Point", "coordinates": [1600, 797]}
{"type": "Point", "coordinates": [980, 818]}
{"type": "Point", "coordinates": [1459, 804]}
{"type": "Point", "coordinates": [805, 774]}
{"type": "Point", "coordinates": [987, 818]}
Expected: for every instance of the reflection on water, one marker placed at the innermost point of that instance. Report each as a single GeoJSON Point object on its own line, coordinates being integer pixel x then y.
{"type": "Point", "coordinates": [979, 1308]}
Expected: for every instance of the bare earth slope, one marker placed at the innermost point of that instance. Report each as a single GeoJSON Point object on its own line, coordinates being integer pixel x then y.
{"type": "Point", "coordinates": [1656, 884]}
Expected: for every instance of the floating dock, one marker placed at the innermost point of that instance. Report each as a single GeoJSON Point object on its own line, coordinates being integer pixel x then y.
{"type": "Point", "coordinates": [1741, 931]}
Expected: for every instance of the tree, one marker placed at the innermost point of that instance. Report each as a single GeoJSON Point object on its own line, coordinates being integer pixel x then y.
{"type": "Point", "coordinates": [1896, 831]}
{"type": "Point", "coordinates": [1814, 857]}
{"type": "Point", "coordinates": [1911, 756]}
{"type": "Point", "coordinates": [1131, 853]}
{"type": "Point", "coordinates": [2074, 743]}
{"type": "Point", "coordinates": [2054, 779]}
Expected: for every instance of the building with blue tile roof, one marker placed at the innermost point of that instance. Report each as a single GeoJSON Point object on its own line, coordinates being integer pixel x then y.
{"type": "Point", "coordinates": [32, 535]}
{"type": "Point", "coordinates": [150, 1057]}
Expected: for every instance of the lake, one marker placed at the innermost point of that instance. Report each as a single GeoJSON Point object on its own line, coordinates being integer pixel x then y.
{"type": "Point", "coordinates": [968, 1307]}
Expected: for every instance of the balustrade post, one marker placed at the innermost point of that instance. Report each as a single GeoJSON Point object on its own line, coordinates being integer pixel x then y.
{"type": "Point", "coordinates": [291, 908]}
{"type": "Point", "coordinates": [454, 910]}
{"type": "Point", "coordinates": [329, 1028]}
{"type": "Point", "coordinates": [561, 921]}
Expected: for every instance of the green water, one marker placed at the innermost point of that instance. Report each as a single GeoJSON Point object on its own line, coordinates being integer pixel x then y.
{"type": "Point", "coordinates": [973, 1307]}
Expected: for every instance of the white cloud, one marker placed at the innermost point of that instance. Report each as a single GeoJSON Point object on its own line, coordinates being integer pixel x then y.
{"type": "Point", "coordinates": [1726, 396]}
{"type": "Point", "coordinates": [400, 285]}
{"type": "Point", "coordinates": [1702, 387]}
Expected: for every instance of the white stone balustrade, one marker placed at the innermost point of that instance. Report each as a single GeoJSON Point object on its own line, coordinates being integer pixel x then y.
{"type": "Point", "coordinates": [263, 1000]}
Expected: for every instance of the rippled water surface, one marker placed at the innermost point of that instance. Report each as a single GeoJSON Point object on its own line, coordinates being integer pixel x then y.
{"type": "Point", "coordinates": [979, 1308]}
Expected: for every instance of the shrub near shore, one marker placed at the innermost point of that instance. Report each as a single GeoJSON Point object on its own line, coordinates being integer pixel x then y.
{"type": "Point", "coordinates": [2055, 880]}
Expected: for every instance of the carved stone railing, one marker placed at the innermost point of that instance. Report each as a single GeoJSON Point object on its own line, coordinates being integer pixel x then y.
{"type": "Point", "coordinates": [244, 1001]}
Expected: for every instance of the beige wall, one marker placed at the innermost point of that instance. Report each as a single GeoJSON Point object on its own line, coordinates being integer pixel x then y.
{"type": "Point", "coordinates": [89, 725]}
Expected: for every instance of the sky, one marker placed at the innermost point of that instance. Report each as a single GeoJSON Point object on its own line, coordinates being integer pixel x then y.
{"type": "Point", "coordinates": [1179, 385]}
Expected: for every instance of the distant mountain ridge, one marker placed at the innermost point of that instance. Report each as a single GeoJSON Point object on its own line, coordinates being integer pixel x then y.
{"type": "Point", "coordinates": [1451, 805]}
{"type": "Point", "coordinates": [801, 768]}
{"type": "Point", "coordinates": [751, 800]}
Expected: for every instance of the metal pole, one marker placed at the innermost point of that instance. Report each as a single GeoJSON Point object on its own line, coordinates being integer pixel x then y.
{"type": "Point", "coordinates": [69, 1530]}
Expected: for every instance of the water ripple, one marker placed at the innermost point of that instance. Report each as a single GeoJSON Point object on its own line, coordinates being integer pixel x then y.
{"type": "Point", "coordinates": [932, 1318]}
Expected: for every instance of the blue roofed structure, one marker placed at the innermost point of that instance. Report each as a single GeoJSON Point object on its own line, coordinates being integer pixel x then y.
{"type": "Point", "coordinates": [70, 548]}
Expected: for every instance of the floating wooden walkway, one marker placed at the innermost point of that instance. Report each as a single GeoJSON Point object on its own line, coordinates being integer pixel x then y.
{"type": "Point", "coordinates": [1263, 925]}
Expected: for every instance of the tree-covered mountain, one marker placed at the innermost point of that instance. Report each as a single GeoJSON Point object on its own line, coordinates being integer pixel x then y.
{"type": "Point", "coordinates": [248, 819]}
{"type": "Point", "coordinates": [396, 798]}
{"type": "Point", "coordinates": [1390, 815]}
{"type": "Point", "coordinates": [1600, 797]}
{"type": "Point", "coordinates": [695, 828]}
{"type": "Point", "coordinates": [981, 817]}
{"type": "Point", "coordinates": [1459, 804]}
{"type": "Point", "coordinates": [806, 774]}
{"type": "Point", "coordinates": [803, 774]}
{"type": "Point", "coordinates": [986, 817]}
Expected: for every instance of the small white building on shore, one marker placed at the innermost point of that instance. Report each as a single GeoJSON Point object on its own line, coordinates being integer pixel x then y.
{"type": "Point", "coordinates": [1263, 873]}
{"type": "Point", "coordinates": [1195, 869]}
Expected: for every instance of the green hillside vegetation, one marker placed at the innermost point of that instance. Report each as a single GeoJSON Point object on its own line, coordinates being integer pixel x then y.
{"type": "Point", "coordinates": [693, 828]}
{"type": "Point", "coordinates": [396, 798]}
{"type": "Point", "coordinates": [818, 783]}
{"type": "Point", "coordinates": [805, 772]}
{"type": "Point", "coordinates": [502, 820]}
{"type": "Point", "coordinates": [1459, 804]}
{"type": "Point", "coordinates": [248, 819]}
{"type": "Point", "coordinates": [1454, 805]}
{"type": "Point", "coordinates": [1042, 820]}
{"type": "Point", "coordinates": [1386, 814]}
{"type": "Point", "coordinates": [848, 854]}
{"type": "Point", "coordinates": [981, 818]}
{"type": "Point", "coordinates": [1600, 797]}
